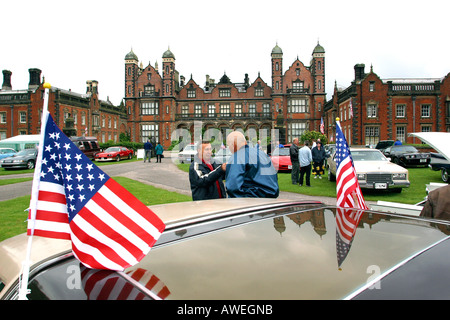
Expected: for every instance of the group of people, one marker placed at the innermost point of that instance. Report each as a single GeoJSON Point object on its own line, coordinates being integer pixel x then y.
{"type": "Point", "coordinates": [306, 160]}
{"type": "Point", "coordinates": [248, 173]}
{"type": "Point", "coordinates": [148, 147]}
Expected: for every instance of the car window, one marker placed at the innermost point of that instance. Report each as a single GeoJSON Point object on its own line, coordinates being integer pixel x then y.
{"type": "Point", "coordinates": [112, 149]}
{"type": "Point", "coordinates": [367, 156]}
{"type": "Point", "coordinates": [70, 280]}
{"type": "Point", "coordinates": [281, 152]}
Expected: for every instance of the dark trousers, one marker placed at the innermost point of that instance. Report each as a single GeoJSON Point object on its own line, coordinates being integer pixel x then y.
{"type": "Point", "coordinates": [295, 172]}
{"type": "Point", "coordinates": [158, 157]}
{"type": "Point", "coordinates": [305, 170]}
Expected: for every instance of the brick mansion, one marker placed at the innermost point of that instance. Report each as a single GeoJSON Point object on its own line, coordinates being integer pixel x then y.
{"type": "Point", "coordinates": [158, 100]}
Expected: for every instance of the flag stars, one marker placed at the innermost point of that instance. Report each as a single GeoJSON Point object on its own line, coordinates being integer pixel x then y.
{"type": "Point", "coordinates": [81, 197]}
{"type": "Point", "coordinates": [80, 187]}
{"type": "Point", "coordinates": [91, 187]}
{"type": "Point", "coordinates": [67, 146]}
{"type": "Point", "coordinates": [78, 167]}
{"type": "Point", "coordinates": [67, 156]}
{"type": "Point", "coordinates": [79, 177]}
{"type": "Point", "coordinates": [68, 167]}
{"type": "Point", "coordinates": [78, 156]}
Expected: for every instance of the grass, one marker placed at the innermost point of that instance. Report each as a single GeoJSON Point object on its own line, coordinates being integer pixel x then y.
{"type": "Point", "coordinates": [13, 217]}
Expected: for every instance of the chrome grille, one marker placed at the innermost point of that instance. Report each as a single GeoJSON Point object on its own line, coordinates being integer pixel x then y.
{"type": "Point", "coordinates": [376, 178]}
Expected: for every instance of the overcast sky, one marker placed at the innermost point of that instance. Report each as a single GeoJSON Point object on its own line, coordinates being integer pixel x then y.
{"type": "Point", "coordinates": [75, 41]}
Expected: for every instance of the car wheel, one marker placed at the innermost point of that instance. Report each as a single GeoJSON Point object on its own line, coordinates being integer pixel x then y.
{"type": "Point", "coordinates": [30, 164]}
{"type": "Point", "coordinates": [129, 156]}
{"type": "Point", "coordinates": [444, 175]}
{"type": "Point", "coordinates": [118, 158]}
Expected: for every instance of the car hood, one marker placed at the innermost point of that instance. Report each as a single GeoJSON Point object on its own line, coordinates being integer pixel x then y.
{"type": "Point", "coordinates": [379, 166]}
{"type": "Point", "coordinates": [437, 140]}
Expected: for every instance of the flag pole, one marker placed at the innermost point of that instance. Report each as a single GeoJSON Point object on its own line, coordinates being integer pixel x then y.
{"type": "Point", "coordinates": [23, 289]}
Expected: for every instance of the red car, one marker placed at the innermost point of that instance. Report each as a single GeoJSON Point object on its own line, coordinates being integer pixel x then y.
{"type": "Point", "coordinates": [281, 159]}
{"type": "Point", "coordinates": [114, 153]}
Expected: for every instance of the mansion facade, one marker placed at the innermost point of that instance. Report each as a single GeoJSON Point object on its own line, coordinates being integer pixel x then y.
{"type": "Point", "coordinates": [372, 109]}
{"type": "Point", "coordinates": [158, 101]}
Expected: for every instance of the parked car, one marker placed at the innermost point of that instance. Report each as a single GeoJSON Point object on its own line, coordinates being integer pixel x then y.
{"type": "Point", "coordinates": [251, 249]}
{"type": "Point", "coordinates": [222, 155]}
{"type": "Point", "coordinates": [188, 153]}
{"type": "Point", "coordinates": [114, 154]}
{"type": "Point", "coordinates": [407, 156]}
{"type": "Point", "coordinates": [24, 159]}
{"type": "Point", "coordinates": [89, 145]}
{"type": "Point", "coordinates": [281, 159]}
{"type": "Point", "coordinates": [7, 152]}
{"type": "Point", "coordinates": [383, 144]}
{"type": "Point", "coordinates": [439, 163]}
{"type": "Point", "coordinates": [373, 170]}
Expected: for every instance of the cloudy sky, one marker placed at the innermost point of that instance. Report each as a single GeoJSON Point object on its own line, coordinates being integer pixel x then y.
{"type": "Point", "coordinates": [75, 41]}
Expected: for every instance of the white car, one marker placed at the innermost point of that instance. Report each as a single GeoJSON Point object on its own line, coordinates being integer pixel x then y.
{"type": "Point", "coordinates": [188, 153]}
{"type": "Point", "coordinates": [374, 170]}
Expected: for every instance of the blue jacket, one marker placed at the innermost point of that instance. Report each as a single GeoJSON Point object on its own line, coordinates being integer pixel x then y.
{"type": "Point", "coordinates": [250, 173]}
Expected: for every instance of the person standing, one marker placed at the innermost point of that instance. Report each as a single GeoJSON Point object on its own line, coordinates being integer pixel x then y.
{"type": "Point", "coordinates": [305, 158]}
{"type": "Point", "coordinates": [293, 154]}
{"type": "Point", "coordinates": [205, 175]}
{"type": "Point", "coordinates": [318, 157]}
{"type": "Point", "coordinates": [148, 151]}
{"type": "Point", "coordinates": [249, 171]}
{"type": "Point", "coordinates": [159, 151]}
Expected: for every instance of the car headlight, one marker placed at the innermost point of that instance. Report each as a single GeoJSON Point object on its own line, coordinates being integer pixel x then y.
{"type": "Point", "coordinates": [361, 176]}
{"type": "Point", "coordinates": [399, 176]}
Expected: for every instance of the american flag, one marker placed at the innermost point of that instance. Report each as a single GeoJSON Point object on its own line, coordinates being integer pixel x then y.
{"type": "Point", "coordinates": [347, 221]}
{"type": "Point", "coordinates": [109, 285]}
{"type": "Point", "coordinates": [322, 127]}
{"type": "Point", "coordinates": [348, 194]}
{"type": "Point", "coordinates": [347, 186]}
{"type": "Point", "coordinates": [108, 226]}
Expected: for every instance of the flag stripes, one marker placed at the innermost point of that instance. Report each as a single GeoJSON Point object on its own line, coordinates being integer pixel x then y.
{"type": "Point", "coordinates": [109, 227]}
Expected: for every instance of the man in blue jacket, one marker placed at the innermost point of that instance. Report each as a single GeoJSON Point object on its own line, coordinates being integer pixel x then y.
{"type": "Point", "coordinates": [249, 172]}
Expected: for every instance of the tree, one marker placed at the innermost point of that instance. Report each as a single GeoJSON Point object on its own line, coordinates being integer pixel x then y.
{"type": "Point", "coordinates": [313, 135]}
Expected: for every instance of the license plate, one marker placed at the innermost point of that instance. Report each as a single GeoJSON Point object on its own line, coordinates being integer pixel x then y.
{"type": "Point", "coordinates": [380, 185]}
{"type": "Point", "coordinates": [423, 160]}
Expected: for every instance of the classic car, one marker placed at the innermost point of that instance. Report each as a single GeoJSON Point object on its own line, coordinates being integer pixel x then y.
{"type": "Point", "coordinates": [383, 144]}
{"type": "Point", "coordinates": [281, 159]}
{"type": "Point", "coordinates": [114, 154]}
{"type": "Point", "coordinates": [24, 159]}
{"type": "Point", "coordinates": [252, 249]}
{"type": "Point", "coordinates": [188, 153]}
{"type": "Point", "coordinates": [439, 163]}
{"type": "Point", "coordinates": [407, 156]}
{"type": "Point", "coordinates": [7, 152]}
{"type": "Point", "coordinates": [439, 142]}
{"type": "Point", "coordinates": [222, 155]}
{"type": "Point", "coordinates": [374, 170]}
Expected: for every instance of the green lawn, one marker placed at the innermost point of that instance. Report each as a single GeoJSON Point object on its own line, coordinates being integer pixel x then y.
{"type": "Point", "coordinates": [13, 215]}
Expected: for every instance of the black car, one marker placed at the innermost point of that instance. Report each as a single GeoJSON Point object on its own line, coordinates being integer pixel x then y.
{"type": "Point", "coordinates": [383, 144]}
{"type": "Point", "coordinates": [253, 249]}
{"type": "Point", "coordinates": [439, 163]}
{"type": "Point", "coordinates": [25, 159]}
{"type": "Point", "coordinates": [407, 156]}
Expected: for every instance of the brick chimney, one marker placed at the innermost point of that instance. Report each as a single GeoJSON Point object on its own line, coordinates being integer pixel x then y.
{"type": "Point", "coordinates": [359, 71]}
{"type": "Point", "coordinates": [35, 79]}
{"type": "Point", "coordinates": [6, 80]}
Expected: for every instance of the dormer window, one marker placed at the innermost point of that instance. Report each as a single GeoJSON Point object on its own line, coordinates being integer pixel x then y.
{"type": "Point", "coordinates": [225, 92]}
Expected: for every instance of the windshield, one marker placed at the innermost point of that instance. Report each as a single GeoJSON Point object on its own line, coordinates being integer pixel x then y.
{"type": "Point", "coordinates": [25, 152]}
{"type": "Point", "coordinates": [367, 156]}
{"type": "Point", "coordinates": [405, 149]}
{"type": "Point", "coordinates": [112, 149]}
{"type": "Point", "coordinates": [281, 152]}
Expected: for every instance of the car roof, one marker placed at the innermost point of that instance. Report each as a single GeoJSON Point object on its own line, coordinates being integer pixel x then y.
{"type": "Point", "coordinates": [266, 249]}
